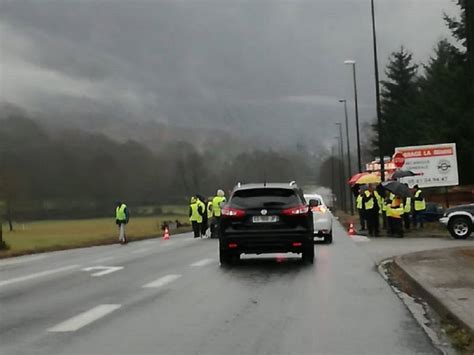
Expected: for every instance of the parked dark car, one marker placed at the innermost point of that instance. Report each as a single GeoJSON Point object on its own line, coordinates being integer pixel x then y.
{"type": "Point", "coordinates": [433, 212]}
{"type": "Point", "coordinates": [266, 218]}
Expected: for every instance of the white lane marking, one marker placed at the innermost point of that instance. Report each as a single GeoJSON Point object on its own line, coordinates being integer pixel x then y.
{"type": "Point", "coordinates": [359, 238]}
{"type": "Point", "coordinates": [21, 260]}
{"type": "Point", "coordinates": [138, 251]}
{"type": "Point", "coordinates": [37, 275]}
{"type": "Point", "coordinates": [85, 318]}
{"type": "Point", "coordinates": [202, 262]}
{"type": "Point", "coordinates": [105, 270]}
{"type": "Point", "coordinates": [101, 260]}
{"type": "Point", "coordinates": [162, 281]}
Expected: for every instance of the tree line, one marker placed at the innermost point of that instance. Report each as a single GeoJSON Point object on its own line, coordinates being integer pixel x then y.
{"type": "Point", "coordinates": [74, 174]}
{"type": "Point", "coordinates": [432, 102]}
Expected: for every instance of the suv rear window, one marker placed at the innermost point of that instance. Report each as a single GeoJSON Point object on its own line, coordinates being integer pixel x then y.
{"type": "Point", "coordinates": [265, 197]}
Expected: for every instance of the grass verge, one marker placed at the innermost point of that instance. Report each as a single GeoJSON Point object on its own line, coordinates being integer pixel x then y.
{"type": "Point", "coordinates": [430, 229]}
{"type": "Point", "coordinates": [43, 236]}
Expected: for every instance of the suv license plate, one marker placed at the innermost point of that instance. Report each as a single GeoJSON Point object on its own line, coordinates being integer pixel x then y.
{"type": "Point", "coordinates": [265, 219]}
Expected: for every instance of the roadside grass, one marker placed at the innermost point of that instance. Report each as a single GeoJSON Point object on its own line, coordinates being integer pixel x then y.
{"type": "Point", "coordinates": [42, 236]}
{"type": "Point", "coordinates": [430, 229]}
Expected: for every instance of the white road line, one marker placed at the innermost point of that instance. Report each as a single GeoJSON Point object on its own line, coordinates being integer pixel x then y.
{"type": "Point", "coordinates": [85, 318]}
{"type": "Point", "coordinates": [202, 262]}
{"type": "Point", "coordinates": [21, 259]}
{"type": "Point", "coordinates": [37, 275]}
{"type": "Point", "coordinates": [162, 281]}
{"type": "Point", "coordinates": [105, 270]}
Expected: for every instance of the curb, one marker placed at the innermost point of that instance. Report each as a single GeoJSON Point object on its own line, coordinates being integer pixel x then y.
{"type": "Point", "coordinates": [438, 305]}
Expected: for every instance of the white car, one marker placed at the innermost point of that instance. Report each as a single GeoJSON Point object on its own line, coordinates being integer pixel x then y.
{"type": "Point", "coordinates": [322, 217]}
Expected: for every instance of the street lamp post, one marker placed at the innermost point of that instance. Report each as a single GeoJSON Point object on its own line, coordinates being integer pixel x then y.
{"type": "Point", "coordinates": [377, 94]}
{"type": "Point", "coordinates": [333, 177]}
{"type": "Point", "coordinates": [341, 188]}
{"type": "Point", "coordinates": [356, 108]}
{"type": "Point", "coordinates": [341, 166]}
{"type": "Point", "coordinates": [349, 168]}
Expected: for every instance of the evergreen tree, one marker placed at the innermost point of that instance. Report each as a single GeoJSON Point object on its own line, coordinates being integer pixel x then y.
{"type": "Point", "coordinates": [398, 94]}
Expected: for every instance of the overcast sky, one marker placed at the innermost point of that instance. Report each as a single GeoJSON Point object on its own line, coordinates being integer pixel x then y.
{"type": "Point", "coordinates": [261, 66]}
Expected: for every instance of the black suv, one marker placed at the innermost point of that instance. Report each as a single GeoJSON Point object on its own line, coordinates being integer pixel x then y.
{"type": "Point", "coordinates": [266, 218]}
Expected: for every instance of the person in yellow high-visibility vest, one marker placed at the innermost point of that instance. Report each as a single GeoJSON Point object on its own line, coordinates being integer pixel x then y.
{"type": "Point", "coordinates": [196, 210]}
{"type": "Point", "coordinates": [407, 203]}
{"type": "Point", "coordinates": [359, 198]}
{"type": "Point", "coordinates": [122, 216]}
{"type": "Point", "coordinates": [419, 207]}
{"type": "Point", "coordinates": [202, 207]}
{"type": "Point", "coordinates": [371, 211]}
{"type": "Point", "coordinates": [217, 202]}
{"type": "Point", "coordinates": [394, 217]}
{"type": "Point", "coordinates": [210, 215]}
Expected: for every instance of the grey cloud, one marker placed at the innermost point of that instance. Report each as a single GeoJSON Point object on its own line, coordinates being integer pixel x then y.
{"type": "Point", "coordinates": [274, 66]}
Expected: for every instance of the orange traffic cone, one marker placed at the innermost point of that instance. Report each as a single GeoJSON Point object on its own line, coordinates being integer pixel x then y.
{"type": "Point", "coordinates": [166, 234]}
{"type": "Point", "coordinates": [351, 229]}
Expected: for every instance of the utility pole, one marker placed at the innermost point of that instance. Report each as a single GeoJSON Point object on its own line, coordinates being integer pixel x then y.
{"type": "Point", "coordinates": [341, 168]}
{"type": "Point", "coordinates": [333, 178]}
{"type": "Point", "coordinates": [349, 168]}
{"type": "Point", "coordinates": [356, 109]}
{"type": "Point", "coordinates": [377, 94]}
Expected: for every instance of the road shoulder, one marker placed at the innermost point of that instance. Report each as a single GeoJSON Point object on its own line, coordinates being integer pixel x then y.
{"type": "Point", "coordinates": [445, 279]}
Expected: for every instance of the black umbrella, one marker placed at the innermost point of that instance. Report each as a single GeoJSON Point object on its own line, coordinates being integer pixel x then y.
{"type": "Point", "coordinates": [402, 173]}
{"type": "Point", "coordinates": [397, 188]}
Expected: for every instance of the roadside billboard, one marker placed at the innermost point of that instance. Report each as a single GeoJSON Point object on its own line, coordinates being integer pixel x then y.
{"type": "Point", "coordinates": [436, 165]}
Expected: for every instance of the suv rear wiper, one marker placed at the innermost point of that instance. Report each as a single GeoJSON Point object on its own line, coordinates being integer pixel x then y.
{"type": "Point", "coordinates": [273, 204]}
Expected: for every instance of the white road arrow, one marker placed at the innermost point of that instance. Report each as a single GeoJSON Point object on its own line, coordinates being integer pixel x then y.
{"type": "Point", "coordinates": [105, 269]}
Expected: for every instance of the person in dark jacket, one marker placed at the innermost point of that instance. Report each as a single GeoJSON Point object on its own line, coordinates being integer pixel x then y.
{"type": "Point", "coordinates": [205, 220]}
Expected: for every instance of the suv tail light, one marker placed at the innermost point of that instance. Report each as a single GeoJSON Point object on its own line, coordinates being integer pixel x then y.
{"type": "Point", "coordinates": [319, 209]}
{"type": "Point", "coordinates": [294, 211]}
{"type": "Point", "coordinates": [233, 212]}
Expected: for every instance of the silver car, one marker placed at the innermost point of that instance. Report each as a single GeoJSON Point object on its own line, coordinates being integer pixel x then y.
{"type": "Point", "coordinates": [322, 217]}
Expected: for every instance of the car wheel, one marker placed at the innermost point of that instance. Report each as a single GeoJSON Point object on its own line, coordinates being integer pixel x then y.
{"type": "Point", "coordinates": [225, 258]}
{"type": "Point", "coordinates": [328, 238]}
{"type": "Point", "coordinates": [460, 227]}
{"type": "Point", "coordinates": [308, 255]}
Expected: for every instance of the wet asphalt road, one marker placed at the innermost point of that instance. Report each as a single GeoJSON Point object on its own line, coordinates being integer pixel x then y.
{"type": "Point", "coordinates": [171, 297]}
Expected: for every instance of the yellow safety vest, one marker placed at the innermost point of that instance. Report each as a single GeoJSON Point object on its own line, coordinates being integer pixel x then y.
{"type": "Point", "coordinates": [359, 202]}
{"type": "Point", "coordinates": [120, 212]}
{"type": "Point", "coordinates": [408, 205]}
{"type": "Point", "coordinates": [209, 210]}
{"type": "Point", "coordinates": [379, 201]}
{"type": "Point", "coordinates": [195, 215]}
{"type": "Point", "coordinates": [395, 210]}
{"type": "Point", "coordinates": [216, 205]}
{"type": "Point", "coordinates": [370, 203]}
{"type": "Point", "coordinates": [419, 205]}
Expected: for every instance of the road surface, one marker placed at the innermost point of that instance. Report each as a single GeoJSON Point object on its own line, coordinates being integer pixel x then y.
{"type": "Point", "coordinates": [172, 297]}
